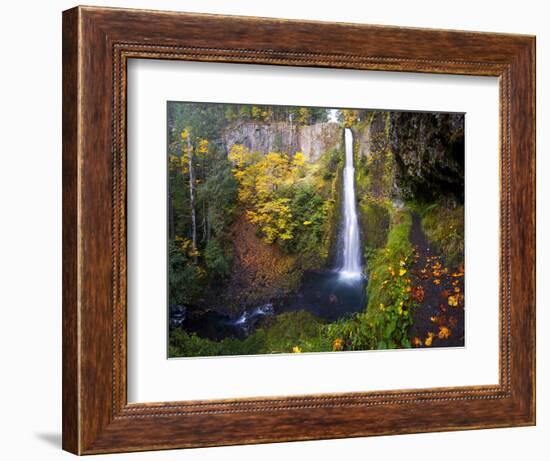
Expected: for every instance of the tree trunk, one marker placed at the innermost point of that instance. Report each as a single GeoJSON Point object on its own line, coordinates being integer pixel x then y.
{"type": "Point", "coordinates": [204, 223]}
{"type": "Point", "coordinates": [171, 229]}
{"type": "Point", "coordinates": [192, 199]}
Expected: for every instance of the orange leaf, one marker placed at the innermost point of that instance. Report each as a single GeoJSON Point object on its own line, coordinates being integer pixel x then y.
{"type": "Point", "coordinates": [418, 294]}
{"type": "Point", "coordinates": [453, 300]}
{"type": "Point", "coordinates": [428, 340]}
{"type": "Point", "coordinates": [444, 333]}
{"type": "Point", "coordinates": [337, 344]}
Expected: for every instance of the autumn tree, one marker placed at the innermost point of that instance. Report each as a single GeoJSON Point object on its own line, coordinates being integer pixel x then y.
{"type": "Point", "coordinates": [349, 117]}
{"type": "Point", "coordinates": [186, 137]}
{"type": "Point", "coordinates": [202, 198]}
{"type": "Point", "coordinates": [266, 188]}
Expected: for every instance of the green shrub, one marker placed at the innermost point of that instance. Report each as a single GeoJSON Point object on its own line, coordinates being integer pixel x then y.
{"type": "Point", "coordinates": [280, 334]}
{"type": "Point", "coordinates": [356, 334]}
{"type": "Point", "coordinates": [389, 288]}
{"type": "Point", "coordinates": [443, 224]}
{"type": "Point", "coordinates": [375, 222]}
{"type": "Point", "coordinates": [184, 277]}
{"type": "Point", "coordinates": [444, 227]}
{"type": "Point", "coordinates": [294, 329]}
{"type": "Point", "coordinates": [215, 259]}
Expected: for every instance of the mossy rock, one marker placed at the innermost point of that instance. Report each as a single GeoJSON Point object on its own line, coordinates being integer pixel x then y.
{"type": "Point", "coordinates": [375, 223]}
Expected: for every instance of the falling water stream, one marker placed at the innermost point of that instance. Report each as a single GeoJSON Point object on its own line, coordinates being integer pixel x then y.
{"type": "Point", "coordinates": [350, 267]}
{"type": "Point", "coordinates": [328, 294]}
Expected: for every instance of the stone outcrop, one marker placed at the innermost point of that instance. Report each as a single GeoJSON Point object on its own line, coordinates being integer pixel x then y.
{"type": "Point", "coordinates": [429, 154]}
{"type": "Point", "coordinates": [311, 140]}
{"type": "Point", "coordinates": [373, 139]}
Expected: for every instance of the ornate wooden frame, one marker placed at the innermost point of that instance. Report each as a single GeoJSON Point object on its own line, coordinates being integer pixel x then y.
{"type": "Point", "coordinates": [97, 43]}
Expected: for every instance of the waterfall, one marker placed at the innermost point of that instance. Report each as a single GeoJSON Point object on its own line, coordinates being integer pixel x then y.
{"type": "Point", "coordinates": [350, 266]}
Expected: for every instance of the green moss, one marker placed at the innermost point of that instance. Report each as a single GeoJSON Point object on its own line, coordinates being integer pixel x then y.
{"type": "Point", "coordinates": [374, 176]}
{"type": "Point", "coordinates": [388, 291]}
{"type": "Point", "coordinates": [443, 225]}
{"type": "Point", "coordinates": [277, 335]}
{"type": "Point", "coordinates": [183, 344]}
{"type": "Point", "coordinates": [445, 228]}
{"type": "Point", "coordinates": [284, 333]}
{"type": "Point", "coordinates": [295, 329]}
{"type": "Point", "coordinates": [335, 160]}
{"type": "Point", "coordinates": [375, 223]}
{"type": "Point", "coordinates": [356, 333]}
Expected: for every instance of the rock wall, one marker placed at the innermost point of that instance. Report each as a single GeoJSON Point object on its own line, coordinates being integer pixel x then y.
{"type": "Point", "coordinates": [372, 139]}
{"type": "Point", "coordinates": [429, 154]}
{"type": "Point", "coordinates": [311, 140]}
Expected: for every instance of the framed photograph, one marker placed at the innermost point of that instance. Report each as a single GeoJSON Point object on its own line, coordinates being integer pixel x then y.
{"type": "Point", "coordinates": [284, 230]}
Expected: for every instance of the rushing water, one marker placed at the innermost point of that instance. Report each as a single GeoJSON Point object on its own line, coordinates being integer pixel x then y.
{"type": "Point", "coordinates": [350, 265]}
{"type": "Point", "coordinates": [330, 294]}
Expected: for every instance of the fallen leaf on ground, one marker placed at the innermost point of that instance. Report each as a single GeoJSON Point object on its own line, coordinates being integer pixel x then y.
{"type": "Point", "coordinates": [453, 300]}
{"type": "Point", "coordinates": [337, 344]}
{"type": "Point", "coordinates": [429, 339]}
{"type": "Point", "coordinates": [418, 294]}
{"type": "Point", "coordinates": [444, 333]}
{"type": "Point", "coordinates": [438, 319]}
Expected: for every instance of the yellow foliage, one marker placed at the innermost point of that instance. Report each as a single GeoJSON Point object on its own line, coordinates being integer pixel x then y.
{"type": "Point", "coordinates": [299, 159]}
{"type": "Point", "coordinates": [239, 155]}
{"type": "Point", "coordinates": [186, 246]}
{"type": "Point", "coordinates": [350, 117]}
{"type": "Point", "coordinates": [256, 112]}
{"type": "Point", "coordinates": [453, 300]}
{"type": "Point", "coordinates": [444, 333]}
{"type": "Point", "coordinates": [337, 344]}
{"type": "Point", "coordinates": [203, 146]}
{"type": "Point", "coordinates": [274, 219]}
{"type": "Point", "coordinates": [400, 308]}
{"type": "Point", "coordinates": [173, 161]}
{"type": "Point", "coordinates": [429, 339]}
{"type": "Point", "coordinates": [296, 350]}
{"type": "Point", "coordinates": [304, 115]}
{"type": "Point", "coordinates": [259, 179]}
{"type": "Point", "coordinates": [272, 171]}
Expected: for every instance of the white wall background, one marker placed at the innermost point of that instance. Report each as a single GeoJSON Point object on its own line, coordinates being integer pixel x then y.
{"type": "Point", "coordinates": [30, 231]}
